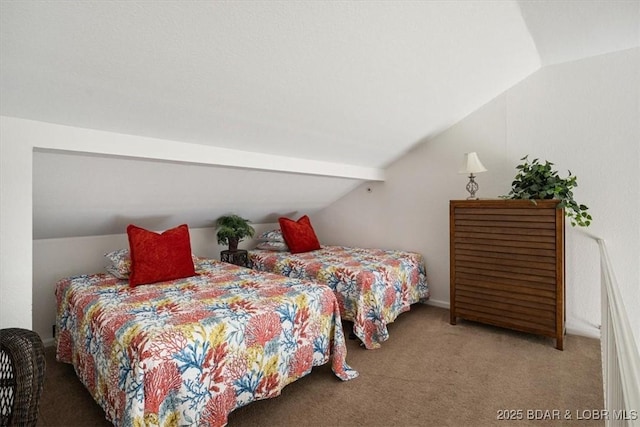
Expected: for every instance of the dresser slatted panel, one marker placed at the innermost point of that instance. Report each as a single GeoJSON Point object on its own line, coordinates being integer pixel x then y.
{"type": "Point", "coordinates": [507, 264]}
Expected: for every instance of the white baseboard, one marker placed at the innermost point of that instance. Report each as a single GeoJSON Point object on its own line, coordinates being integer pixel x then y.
{"type": "Point", "coordinates": [49, 342]}
{"type": "Point", "coordinates": [589, 331]}
{"type": "Point", "coordinates": [438, 303]}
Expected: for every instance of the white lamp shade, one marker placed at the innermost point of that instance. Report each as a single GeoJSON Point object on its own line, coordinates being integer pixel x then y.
{"type": "Point", "coordinates": [472, 164]}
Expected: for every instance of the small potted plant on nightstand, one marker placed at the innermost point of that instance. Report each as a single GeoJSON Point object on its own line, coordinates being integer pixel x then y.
{"type": "Point", "coordinates": [232, 229]}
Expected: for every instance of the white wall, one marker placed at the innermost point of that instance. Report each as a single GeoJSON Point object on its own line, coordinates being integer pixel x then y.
{"type": "Point", "coordinates": [583, 116]}
{"type": "Point", "coordinates": [54, 259]}
{"type": "Point", "coordinates": [15, 228]}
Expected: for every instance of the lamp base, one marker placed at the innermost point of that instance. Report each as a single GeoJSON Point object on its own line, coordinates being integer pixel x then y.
{"type": "Point", "coordinates": [472, 188]}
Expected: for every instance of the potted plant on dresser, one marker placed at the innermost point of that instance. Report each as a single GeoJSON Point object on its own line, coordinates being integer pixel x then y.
{"type": "Point", "coordinates": [507, 255]}
{"type": "Point", "coordinates": [232, 229]}
{"type": "Point", "coordinates": [536, 181]}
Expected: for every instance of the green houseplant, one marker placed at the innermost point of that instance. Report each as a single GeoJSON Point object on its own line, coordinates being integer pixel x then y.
{"type": "Point", "coordinates": [535, 180]}
{"type": "Point", "coordinates": [232, 229]}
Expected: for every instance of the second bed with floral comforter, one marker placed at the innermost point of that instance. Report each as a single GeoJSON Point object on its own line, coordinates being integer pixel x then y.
{"type": "Point", "coordinates": [190, 351]}
{"type": "Point", "coordinates": [373, 286]}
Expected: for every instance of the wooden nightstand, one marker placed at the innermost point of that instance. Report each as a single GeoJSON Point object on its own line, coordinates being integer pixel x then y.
{"type": "Point", "coordinates": [239, 257]}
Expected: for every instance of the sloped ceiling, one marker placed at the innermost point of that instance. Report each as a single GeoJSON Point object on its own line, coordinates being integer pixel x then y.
{"type": "Point", "coordinates": [569, 30]}
{"type": "Point", "coordinates": [79, 195]}
{"type": "Point", "coordinates": [357, 83]}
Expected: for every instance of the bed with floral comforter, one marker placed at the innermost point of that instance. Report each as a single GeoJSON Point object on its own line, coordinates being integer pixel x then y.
{"type": "Point", "coordinates": [373, 286]}
{"type": "Point", "coordinates": [190, 351]}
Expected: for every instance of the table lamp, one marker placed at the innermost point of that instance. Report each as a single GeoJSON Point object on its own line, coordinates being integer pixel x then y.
{"type": "Point", "coordinates": [472, 165]}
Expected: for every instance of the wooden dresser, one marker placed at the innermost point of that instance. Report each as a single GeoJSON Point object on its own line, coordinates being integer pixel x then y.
{"type": "Point", "coordinates": [507, 264]}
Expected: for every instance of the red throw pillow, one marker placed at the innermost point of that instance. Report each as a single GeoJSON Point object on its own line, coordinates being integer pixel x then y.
{"type": "Point", "coordinates": [299, 235]}
{"type": "Point", "coordinates": [159, 257]}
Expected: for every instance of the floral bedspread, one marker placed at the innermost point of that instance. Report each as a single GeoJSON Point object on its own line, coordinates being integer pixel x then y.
{"type": "Point", "coordinates": [190, 351]}
{"type": "Point", "coordinates": [373, 286]}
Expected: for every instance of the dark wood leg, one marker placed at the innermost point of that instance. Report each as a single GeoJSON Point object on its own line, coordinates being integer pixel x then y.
{"type": "Point", "coordinates": [560, 342]}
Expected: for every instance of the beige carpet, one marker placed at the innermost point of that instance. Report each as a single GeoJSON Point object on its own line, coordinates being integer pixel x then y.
{"type": "Point", "coordinates": [428, 373]}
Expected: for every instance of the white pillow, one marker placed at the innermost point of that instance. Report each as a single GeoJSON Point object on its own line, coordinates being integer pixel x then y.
{"type": "Point", "coordinates": [271, 236]}
{"type": "Point", "coordinates": [273, 246]}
